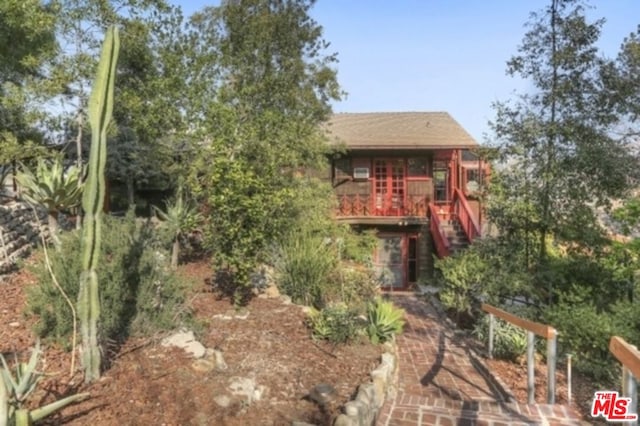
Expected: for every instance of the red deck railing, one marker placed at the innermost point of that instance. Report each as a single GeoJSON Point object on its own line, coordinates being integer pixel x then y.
{"type": "Point", "coordinates": [465, 215]}
{"type": "Point", "coordinates": [366, 205]}
{"type": "Point", "coordinates": [440, 240]}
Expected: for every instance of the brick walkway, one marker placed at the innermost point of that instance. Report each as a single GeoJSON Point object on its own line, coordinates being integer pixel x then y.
{"type": "Point", "coordinates": [438, 383]}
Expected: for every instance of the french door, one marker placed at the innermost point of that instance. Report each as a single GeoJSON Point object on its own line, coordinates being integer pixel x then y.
{"type": "Point", "coordinates": [389, 261]}
{"type": "Point", "coordinates": [396, 260]}
{"type": "Point", "coordinates": [389, 187]}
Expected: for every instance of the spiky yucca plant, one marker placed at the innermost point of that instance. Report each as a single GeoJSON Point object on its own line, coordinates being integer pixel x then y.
{"type": "Point", "coordinates": [49, 185]}
{"type": "Point", "coordinates": [16, 387]}
{"type": "Point", "coordinates": [180, 217]}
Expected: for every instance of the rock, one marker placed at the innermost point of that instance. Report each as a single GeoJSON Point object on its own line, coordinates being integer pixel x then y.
{"type": "Point", "coordinates": [203, 365]}
{"type": "Point", "coordinates": [14, 324]}
{"type": "Point", "coordinates": [272, 292]}
{"type": "Point", "coordinates": [286, 300]}
{"type": "Point", "coordinates": [217, 359]}
{"type": "Point", "coordinates": [222, 400]}
{"type": "Point", "coordinates": [246, 387]}
{"type": "Point", "coordinates": [187, 341]}
{"type": "Point", "coordinates": [322, 393]}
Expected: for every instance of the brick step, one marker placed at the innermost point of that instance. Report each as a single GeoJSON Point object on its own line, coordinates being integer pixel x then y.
{"type": "Point", "coordinates": [432, 411]}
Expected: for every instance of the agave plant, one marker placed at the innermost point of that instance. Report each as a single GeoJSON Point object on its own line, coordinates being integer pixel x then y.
{"type": "Point", "coordinates": [52, 187]}
{"type": "Point", "coordinates": [180, 217]}
{"type": "Point", "coordinates": [17, 386]}
{"type": "Point", "coordinates": [385, 320]}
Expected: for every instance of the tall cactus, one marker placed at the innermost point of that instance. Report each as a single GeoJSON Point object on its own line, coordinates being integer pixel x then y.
{"type": "Point", "coordinates": [100, 109]}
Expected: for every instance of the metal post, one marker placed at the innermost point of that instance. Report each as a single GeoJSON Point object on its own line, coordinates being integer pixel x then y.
{"type": "Point", "coordinates": [531, 391]}
{"type": "Point", "coordinates": [551, 368]}
{"type": "Point", "coordinates": [630, 390]}
{"type": "Point", "coordinates": [569, 379]}
{"type": "Point", "coordinates": [492, 325]}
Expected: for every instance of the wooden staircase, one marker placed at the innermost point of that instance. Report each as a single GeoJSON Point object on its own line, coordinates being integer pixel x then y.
{"type": "Point", "coordinates": [453, 226]}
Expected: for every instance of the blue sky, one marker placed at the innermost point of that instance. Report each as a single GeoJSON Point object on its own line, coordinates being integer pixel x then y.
{"type": "Point", "coordinates": [437, 55]}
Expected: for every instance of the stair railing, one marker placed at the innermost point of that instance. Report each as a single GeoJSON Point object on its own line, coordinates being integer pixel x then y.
{"type": "Point", "coordinates": [440, 240]}
{"type": "Point", "coordinates": [465, 215]}
{"type": "Point", "coordinates": [629, 356]}
{"type": "Point", "coordinates": [532, 328]}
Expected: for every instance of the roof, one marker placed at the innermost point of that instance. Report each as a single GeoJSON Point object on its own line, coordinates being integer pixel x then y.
{"type": "Point", "coordinates": [398, 130]}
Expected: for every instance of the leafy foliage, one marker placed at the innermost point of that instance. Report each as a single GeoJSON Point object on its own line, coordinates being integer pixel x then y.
{"type": "Point", "coordinates": [138, 293]}
{"type": "Point", "coordinates": [385, 320]}
{"type": "Point", "coordinates": [273, 91]}
{"type": "Point", "coordinates": [509, 341]}
{"type": "Point", "coordinates": [337, 324]}
{"type": "Point", "coordinates": [562, 160]}
{"type": "Point", "coordinates": [179, 218]}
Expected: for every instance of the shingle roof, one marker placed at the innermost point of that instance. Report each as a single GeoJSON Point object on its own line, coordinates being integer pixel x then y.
{"type": "Point", "coordinates": [398, 130]}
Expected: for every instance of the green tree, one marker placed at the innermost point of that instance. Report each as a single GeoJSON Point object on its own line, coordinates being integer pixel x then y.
{"type": "Point", "coordinates": [561, 159]}
{"type": "Point", "coordinates": [27, 42]}
{"type": "Point", "coordinates": [274, 83]}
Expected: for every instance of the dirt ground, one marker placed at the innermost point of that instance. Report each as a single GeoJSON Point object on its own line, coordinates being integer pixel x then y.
{"type": "Point", "coordinates": [514, 375]}
{"type": "Point", "coordinates": [150, 384]}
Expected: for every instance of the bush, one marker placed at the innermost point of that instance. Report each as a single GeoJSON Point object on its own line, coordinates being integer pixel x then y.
{"type": "Point", "coordinates": [138, 292]}
{"type": "Point", "coordinates": [584, 332]}
{"type": "Point", "coordinates": [353, 285]}
{"type": "Point", "coordinates": [385, 321]}
{"type": "Point", "coordinates": [304, 264]}
{"type": "Point", "coordinates": [337, 324]}
{"type": "Point", "coordinates": [310, 270]}
{"type": "Point", "coordinates": [509, 341]}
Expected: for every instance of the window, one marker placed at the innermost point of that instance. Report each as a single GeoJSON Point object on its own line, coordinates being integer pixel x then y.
{"type": "Point", "coordinates": [474, 179]}
{"type": "Point", "coordinates": [341, 168]}
{"type": "Point", "coordinates": [417, 167]}
{"type": "Point", "coordinates": [440, 181]}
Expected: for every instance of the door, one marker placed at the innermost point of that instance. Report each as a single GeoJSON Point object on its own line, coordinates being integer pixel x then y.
{"type": "Point", "coordinates": [389, 187]}
{"type": "Point", "coordinates": [389, 261]}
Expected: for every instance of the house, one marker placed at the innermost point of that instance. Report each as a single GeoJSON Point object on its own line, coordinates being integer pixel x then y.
{"type": "Point", "coordinates": [413, 177]}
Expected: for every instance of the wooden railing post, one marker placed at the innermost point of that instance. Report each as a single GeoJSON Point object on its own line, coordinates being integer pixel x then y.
{"type": "Point", "coordinates": [552, 342]}
{"type": "Point", "coordinates": [531, 380]}
{"type": "Point", "coordinates": [629, 356]}
{"type": "Point", "coordinates": [492, 325]}
{"type": "Point", "coordinates": [532, 328]}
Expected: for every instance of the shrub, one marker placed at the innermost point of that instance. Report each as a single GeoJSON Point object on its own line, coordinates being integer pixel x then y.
{"type": "Point", "coordinates": [385, 320]}
{"type": "Point", "coordinates": [304, 263]}
{"type": "Point", "coordinates": [584, 332]}
{"type": "Point", "coordinates": [138, 292]}
{"type": "Point", "coordinates": [509, 341]}
{"type": "Point", "coordinates": [337, 324]}
{"type": "Point", "coordinates": [353, 285]}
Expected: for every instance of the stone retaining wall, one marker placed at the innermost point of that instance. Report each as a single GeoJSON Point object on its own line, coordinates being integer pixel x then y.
{"type": "Point", "coordinates": [19, 233]}
{"type": "Point", "coordinates": [364, 409]}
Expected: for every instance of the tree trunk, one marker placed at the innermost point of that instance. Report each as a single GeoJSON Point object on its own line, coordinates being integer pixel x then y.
{"type": "Point", "coordinates": [53, 226]}
{"type": "Point", "coordinates": [79, 161]}
{"type": "Point", "coordinates": [175, 252]}
{"type": "Point", "coordinates": [130, 192]}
